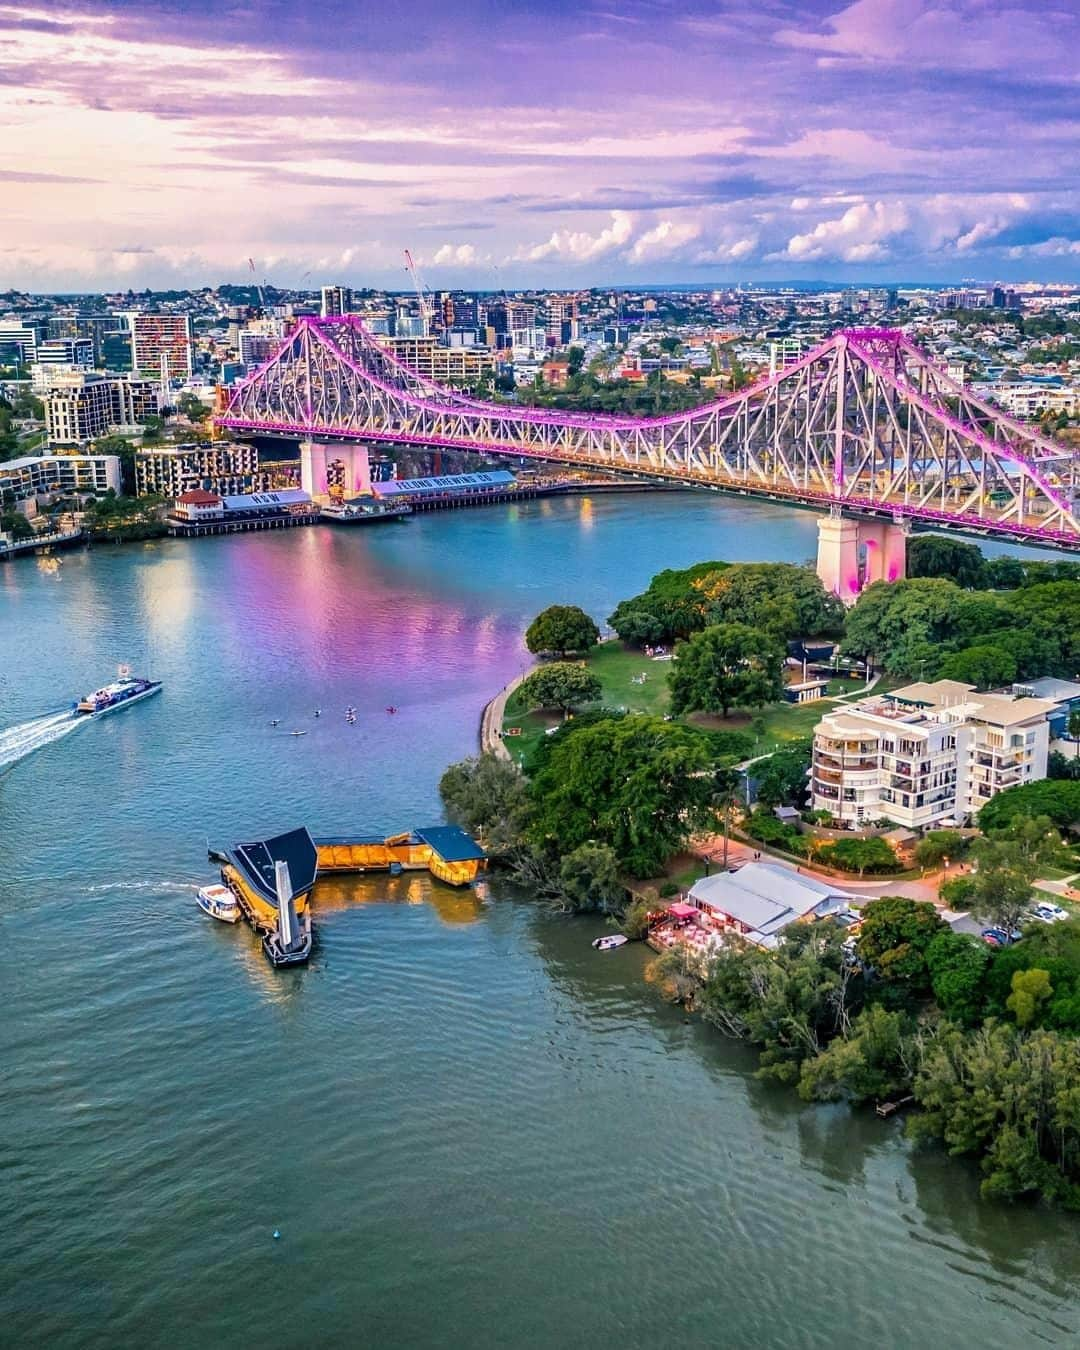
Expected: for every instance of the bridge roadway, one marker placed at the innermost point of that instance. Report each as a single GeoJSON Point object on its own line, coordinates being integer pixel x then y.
{"type": "Point", "coordinates": [865, 424]}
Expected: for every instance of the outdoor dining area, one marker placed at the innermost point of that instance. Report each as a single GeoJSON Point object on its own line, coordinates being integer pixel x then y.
{"type": "Point", "coordinates": [680, 922]}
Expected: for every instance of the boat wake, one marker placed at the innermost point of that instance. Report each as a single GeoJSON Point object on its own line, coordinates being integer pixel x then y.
{"type": "Point", "coordinates": [22, 740]}
{"type": "Point", "coordinates": [141, 886]}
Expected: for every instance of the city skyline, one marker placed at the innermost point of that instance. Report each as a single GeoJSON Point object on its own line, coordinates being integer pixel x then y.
{"type": "Point", "coordinates": [166, 144]}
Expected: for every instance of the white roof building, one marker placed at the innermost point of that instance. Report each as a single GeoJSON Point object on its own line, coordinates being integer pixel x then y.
{"type": "Point", "coordinates": [761, 899]}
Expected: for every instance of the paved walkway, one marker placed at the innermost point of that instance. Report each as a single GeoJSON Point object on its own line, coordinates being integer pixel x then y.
{"type": "Point", "coordinates": [491, 720]}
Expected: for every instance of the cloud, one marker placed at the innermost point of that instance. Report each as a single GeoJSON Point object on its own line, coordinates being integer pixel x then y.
{"type": "Point", "coordinates": [946, 34]}
{"type": "Point", "coordinates": [578, 245]}
{"type": "Point", "coordinates": [460, 255]}
{"type": "Point", "coordinates": [493, 117]}
{"type": "Point", "coordinates": [859, 235]}
{"type": "Point", "coordinates": [662, 240]}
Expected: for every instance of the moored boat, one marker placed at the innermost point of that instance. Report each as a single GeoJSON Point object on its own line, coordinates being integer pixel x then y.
{"type": "Point", "coordinates": [362, 511]}
{"type": "Point", "coordinates": [219, 902]}
{"type": "Point", "coordinates": [610, 943]}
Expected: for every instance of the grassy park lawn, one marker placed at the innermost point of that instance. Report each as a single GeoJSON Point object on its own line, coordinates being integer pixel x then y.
{"type": "Point", "coordinates": [638, 683]}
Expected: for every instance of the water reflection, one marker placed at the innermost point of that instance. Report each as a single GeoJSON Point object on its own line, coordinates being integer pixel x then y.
{"type": "Point", "coordinates": [453, 905]}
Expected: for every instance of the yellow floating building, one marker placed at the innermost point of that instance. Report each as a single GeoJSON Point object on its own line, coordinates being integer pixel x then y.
{"type": "Point", "coordinates": [249, 870]}
{"type": "Point", "coordinates": [443, 850]}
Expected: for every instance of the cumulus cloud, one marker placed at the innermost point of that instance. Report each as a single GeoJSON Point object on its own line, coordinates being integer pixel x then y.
{"type": "Point", "coordinates": [579, 245]}
{"type": "Point", "coordinates": [460, 255]}
{"type": "Point", "coordinates": [662, 240]}
{"type": "Point", "coordinates": [861, 234]}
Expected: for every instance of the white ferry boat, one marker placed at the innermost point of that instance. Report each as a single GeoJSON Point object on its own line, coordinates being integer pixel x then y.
{"type": "Point", "coordinates": [219, 902]}
{"type": "Point", "coordinates": [125, 689]}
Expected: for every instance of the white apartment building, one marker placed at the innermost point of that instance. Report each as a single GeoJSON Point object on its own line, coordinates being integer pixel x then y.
{"type": "Point", "coordinates": [82, 405]}
{"type": "Point", "coordinates": [428, 357]}
{"type": "Point", "coordinates": [927, 754]}
{"type": "Point", "coordinates": [172, 471]}
{"type": "Point", "coordinates": [1029, 400]}
{"type": "Point", "coordinates": [42, 475]}
{"type": "Point", "coordinates": [69, 351]}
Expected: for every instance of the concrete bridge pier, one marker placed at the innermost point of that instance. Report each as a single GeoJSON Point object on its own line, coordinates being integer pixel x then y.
{"type": "Point", "coordinates": [841, 539]}
{"type": "Point", "coordinates": [335, 466]}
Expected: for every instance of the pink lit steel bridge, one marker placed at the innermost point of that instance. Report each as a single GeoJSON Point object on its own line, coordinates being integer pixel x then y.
{"type": "Point", "coordinates": [866, 424]}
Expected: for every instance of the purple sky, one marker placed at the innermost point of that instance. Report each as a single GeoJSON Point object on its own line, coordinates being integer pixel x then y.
{"type": "Point", "coordinates": [556, 143]}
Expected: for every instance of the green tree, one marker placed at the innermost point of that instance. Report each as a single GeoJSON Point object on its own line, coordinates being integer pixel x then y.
{"type": "Point", "coordinates": [635, 920]}
{"type": "Point", "coordinates": [1074, 728]}
{"type": "Point", "coordinates": [901, 624]}
{"type": "Point", "coordinates": [937, 845]}
{"type": "Point", "coordinates": [639, 628]}
{"type": "Point", "coordinates": [1006, 1097]}
{"type": "Point", "coordinates": [958, 963]}
{"type": "Point", "coordinates": [791, 1002]}
{"type": "Point", "coordinates": [726, 666]}
{"type": "Point", "coordinates": [936, 555]}
{"type": "Point", "coordinates": [15, 524]}
{"type": "Point", "coordinates": [1003, 574]}
{"type": "Point", "coordinates": [790, 601]}
{"type": "Point", "coordinates": [561, 685]}
{"type": "Point", "coordinates": [1058, 800]}
{"type": "Point", "coordinates": [487, 796]}
{"type": "Point", "coordinates": [895, 935]}
{"type": "Point", "coordinates": [639, 784]}
{"type": "Point", "coordinates": [781, 779]}
{"type": "Point", "coordinates": [589, 880]}
{"type": "Point", "coordinates": [561, 629]}
{"type": "Point", "coordinates": [871, 854]}
{"type": "Point", "coordinates": [191, 406]}
{"type": "Point", "coordinates": [1030, 989]}
{"type": "Point", "coordinates": [986, 667]}
{"type": "Point", "coordinates": [1002, 889]}
{"type": "Point", "coordinates": [870, 1063]}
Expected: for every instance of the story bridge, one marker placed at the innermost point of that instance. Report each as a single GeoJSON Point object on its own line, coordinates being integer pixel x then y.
{"type": "Point", "coordinates": [865, 428]}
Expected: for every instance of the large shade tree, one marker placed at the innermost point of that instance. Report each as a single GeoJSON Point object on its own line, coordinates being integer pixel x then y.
{"type": "Point", "coordinates": [638, 784]}
{"type": "Point", "coordinates": [561, 685]}
{"type": "Point", "coordinates": [561, 629]}
{"type": "Point", "coordinates": [725, 666]}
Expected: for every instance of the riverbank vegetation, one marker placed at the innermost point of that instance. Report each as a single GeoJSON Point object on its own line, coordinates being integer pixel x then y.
{"type": "Point", "coordinates": [984, 1040]}
{"type": "Point", "coordinates": [622, 760]}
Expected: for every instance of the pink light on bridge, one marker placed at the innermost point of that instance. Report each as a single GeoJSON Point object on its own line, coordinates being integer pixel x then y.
{"type": "Point", "coordinates": [864, 422]}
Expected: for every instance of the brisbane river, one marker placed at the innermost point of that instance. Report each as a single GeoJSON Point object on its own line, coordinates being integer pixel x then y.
{"type": "Point", "coordinates": [469, 1128]}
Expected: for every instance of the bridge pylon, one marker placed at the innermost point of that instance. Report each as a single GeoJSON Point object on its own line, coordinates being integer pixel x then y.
{"type": "Point", "coordinates": [329, 469]}
{"type": "Point", "coordinates": [842, 540]}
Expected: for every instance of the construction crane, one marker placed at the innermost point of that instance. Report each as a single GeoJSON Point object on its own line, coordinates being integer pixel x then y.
{"type": "Point", "coordinates": [258, 284]}
{"type": "Point", "coordinates": [423, 296]}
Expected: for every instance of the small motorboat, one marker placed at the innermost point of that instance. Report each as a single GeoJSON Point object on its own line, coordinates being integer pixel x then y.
{"type": "Point", "coordinates": [610, 943]}
{"type": "Point", "coordinates": [275, 721]}
{"type": "Point", "coordinates": [219, 902]}
{"type": "Point", "coordinates": [297, 733]}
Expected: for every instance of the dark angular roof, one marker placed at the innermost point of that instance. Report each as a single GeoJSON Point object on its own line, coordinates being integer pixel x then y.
{"type": "Point", "coordinates": [256, 862]}
{"type": "Point", "coordinates": [450, 843]}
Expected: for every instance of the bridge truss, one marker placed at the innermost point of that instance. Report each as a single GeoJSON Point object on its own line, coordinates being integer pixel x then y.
{"type": "Point", "coordinates": [865, 423]}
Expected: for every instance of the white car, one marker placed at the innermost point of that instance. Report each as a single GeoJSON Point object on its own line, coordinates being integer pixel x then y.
{"type": "Point", "coordinates": [1049, 913]}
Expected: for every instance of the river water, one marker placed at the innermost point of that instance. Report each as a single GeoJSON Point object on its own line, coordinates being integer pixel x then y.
{"type": "Point", "coordinates": [469, 1128]}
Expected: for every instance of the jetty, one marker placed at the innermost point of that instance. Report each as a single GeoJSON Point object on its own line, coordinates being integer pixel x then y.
{"type": "Point", "coordinates": [273, 879]}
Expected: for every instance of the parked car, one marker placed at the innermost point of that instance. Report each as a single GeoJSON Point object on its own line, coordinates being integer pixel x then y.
{"type": "Point", "coordinates": [998, 937]}
{"type": "Point", "coordinates": [1049, 912]}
